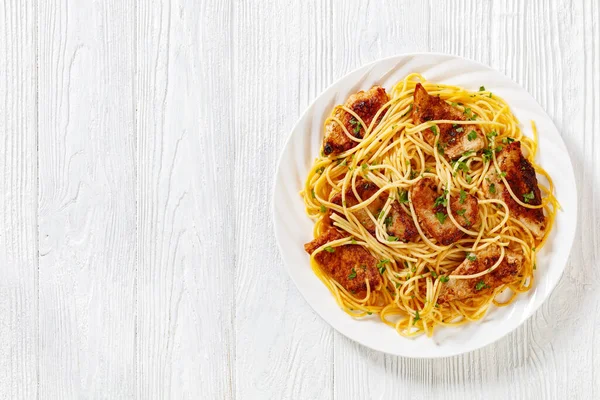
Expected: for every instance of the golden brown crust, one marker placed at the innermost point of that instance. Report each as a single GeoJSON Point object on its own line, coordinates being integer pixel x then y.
{"type": "Point", "coordinates": [400, 224]}
{"type": "Point", "coordinates": [350, 265]}
{"type": "Point", "coordinates": [365, 105]}
{"type": "Point", "coordinates": [521, 177]}
{"type": "Point", "coordinates": [508, 271]}
{"type": "Point", "coordinates": [423, 196]}
{"type": "Point", "coordinates": [454, 140]}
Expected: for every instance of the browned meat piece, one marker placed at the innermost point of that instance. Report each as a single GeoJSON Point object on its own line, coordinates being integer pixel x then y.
{"type": "Point", "coordinates": [433, 217]}
{"type": "Point", "coordinates": [365, 105]}
{"type": "Point", "coordinates": [454, 139]}
{"type": "Point", "coordinates": [508, 271]}
{"type": "Point", "coordinates": [351, 265]}
{"type": "Point", "coordinates": [398, 222]}
{"type": "Point", "coordinates": [520, 175]}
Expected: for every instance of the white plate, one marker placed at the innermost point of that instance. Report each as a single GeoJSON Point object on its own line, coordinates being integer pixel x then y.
{"type": "Point", "coordinates": [293, 228]}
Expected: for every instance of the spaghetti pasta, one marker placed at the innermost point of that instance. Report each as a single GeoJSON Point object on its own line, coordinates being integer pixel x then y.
{"type": "Point", "coordinates": [394, 155]}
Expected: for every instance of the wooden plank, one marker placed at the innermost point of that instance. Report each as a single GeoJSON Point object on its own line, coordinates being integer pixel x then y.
{"type": "Point", "coordinates": [282, 60]}
{"type": "Point", "coordinates": [18, 204]}
{"type": "Point", "coordinates": [87, 204]}
{"type": "Point", "coordinates": [185, 200]}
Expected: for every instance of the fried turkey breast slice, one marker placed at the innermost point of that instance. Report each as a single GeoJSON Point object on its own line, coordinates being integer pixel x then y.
{"type": "Point", "coordinates": [433, 217]}
{"type": "Point", "coordinates": [508, 271]}
{"type": "Point", "coordinates": [521, 177]}
{"type": "Point", "coordinates": [398, 223]}
{"type": "Point", "coordinates": [365, 105]}
{"type": "Point", "coordinates": [454, 139]}
{"type": "Point", "coordinates": [350, 265]}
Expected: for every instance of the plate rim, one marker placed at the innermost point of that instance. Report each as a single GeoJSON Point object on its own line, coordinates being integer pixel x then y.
{"type": "Point", "coordinates": [458, 351]}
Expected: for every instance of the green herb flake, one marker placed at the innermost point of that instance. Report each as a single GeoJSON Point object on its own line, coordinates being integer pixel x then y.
{"type": "Point", "coordinates": [441, 217]}
{"type": "Point", "coordinates": [481, 285]}
{"type": "Point", "coordinates": [434, 274]}
{"type": "Point", "coordinates": [417, 317]}
{"type": "Point", "coordinates": [487, 155]}
{"type": "Point", "coordinates": [482, 88]}
{"type": "Point", "coordinates": [434, 129]}
{"type": "Point", "coordinates": [461, 212]}
{"type": "Point", "coordinates": [352, 274]}
{"type": "Point", "coordinates": [402, 196]}
{"type": "Point", "coordinates": [323, 208]}
{"type": "Point", "coordinates": [462, 196]}
{"type": "Point", "coordinates": [320, 170]}
{"type": "Point", "coordinates": [381, 265]}
{"type": "Point", "coordinates": [528, 196]}
{"type": "Point", "coordinates": [313, 193]}
{"type": "Point", "coordinates": [459, 130]}
{"type": "Point", "coordinates": [407, 112]}
{"type": "Point", "coordinates": [440, 148]}
{"type": "Point", "coordinates": [493, 188]}
{"type": "Point", "coordinates": [468, 178]}
{"type": "Point", "coordinates": [441, 201]}
{"type": "Point", "coordinates": [443, 279]}
{"type": "Point", "coordinates": [468, 153]}
{"type": "Point", "coordinates": [329, 249]}
{"type": "Point", "coordinates": [392, 239]}
{"type": "Point", "coordinates": [472, 136]}
{"type": "Point", "coordinates": [471, 257]}
{"type": "Point", "coordinates": [507, 140]}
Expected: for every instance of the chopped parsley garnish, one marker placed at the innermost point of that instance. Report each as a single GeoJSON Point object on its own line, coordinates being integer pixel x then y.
{"type": "Point", "coordinates": [352, 274]}
{"type": "Point", "coordinates": [417, 316]}
{"type": "Point", "coordinates": [434, 274]}
{"type": "Point", "coordinates": [493, 188]}
{"type": "Point", "coordinates": [482, 88]}
{"type": "Point", "coordinates": [461, 166]}
{"type": "Point", "coordinates": [498, 149]}
{"type": "Point", "coordinates": [468, 178]}
{"type": "Point", "coordinates": [392, 239]}
{"type": "Point", "coordinates": [502, 174]}
{"type": "Point", "coordinates": [441, 217]}
{"type": "Point", "coordinates": [387, 221]}
{"type": "Point", "coordinates": [329, 249]}
{"type": "Point", "coordinates": [459, 130]}
{"type": "Point", "coordinates": [462, 196]}
{"type": "Point", "coordinates": [471, 257]}
{"type": "Point", "coordinates": [534, 266]}
{"type": "Point", "coordinates": [507, 140]}
{"type": "Point", "coordinates": [434, 129]}
{"type": "Point", "coordinates": [402, 196]}
{"type": "Point", "coordinates": [461, 212]}
{"type": "Point", "coordinates": [323, 208]}
{"type": "Point", "coordinates": [381, 265]}
{"type": "Point", "coordinates": [444, 279]}
{"type": "Point", "coordinates": [472, 136]}
{"type": "Point", "coordinates": [343, 163]}
{"type": "Point", "coordinates": [453, 104]}
{"type": "Point", "coordinates": [528, 196]}
{"type": "Point", "coordinates": [355, 124]}
{"type": "Point", "coordinates": [492, 135]}
{"type": "Point", "coordinates": [481, 285]}
{"type": "Point", "coordinates": [353, 241]}
{"type": "Point", "coordinates": [365, 166]}
{"type": "Point", "coordinates": [312, 191]}
{"type": "Point", "coordinates": [467, 111]}
{"type": "Point", "coordinates": [320, 170]}
{"type": "Point", "coordinates": [487, 155]}
{"type": "Point", "coordinates": [468, 153]}
{"type": "Point", "coordinates": [441, 201]}
{"type": "Point", "coordinates": [407, 112]}
{"type": "Point", "coordinates": [440, 148]}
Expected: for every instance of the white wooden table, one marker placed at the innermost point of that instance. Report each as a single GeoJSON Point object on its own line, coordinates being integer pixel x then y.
{"type": "Point", "coordinates": [137, 152]}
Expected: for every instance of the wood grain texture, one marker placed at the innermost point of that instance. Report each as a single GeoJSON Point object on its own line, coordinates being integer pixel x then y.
{"type": "Point", "coordinates": [138, 155]}
{"type": "Point", "coordinates": [185, 155]}
{"type": "Point", "coordinates": [87, 204]}
{"type": "Point", "coordinates": [18, 202]}
{"type": "Point", "coordinates": [282, 60]}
